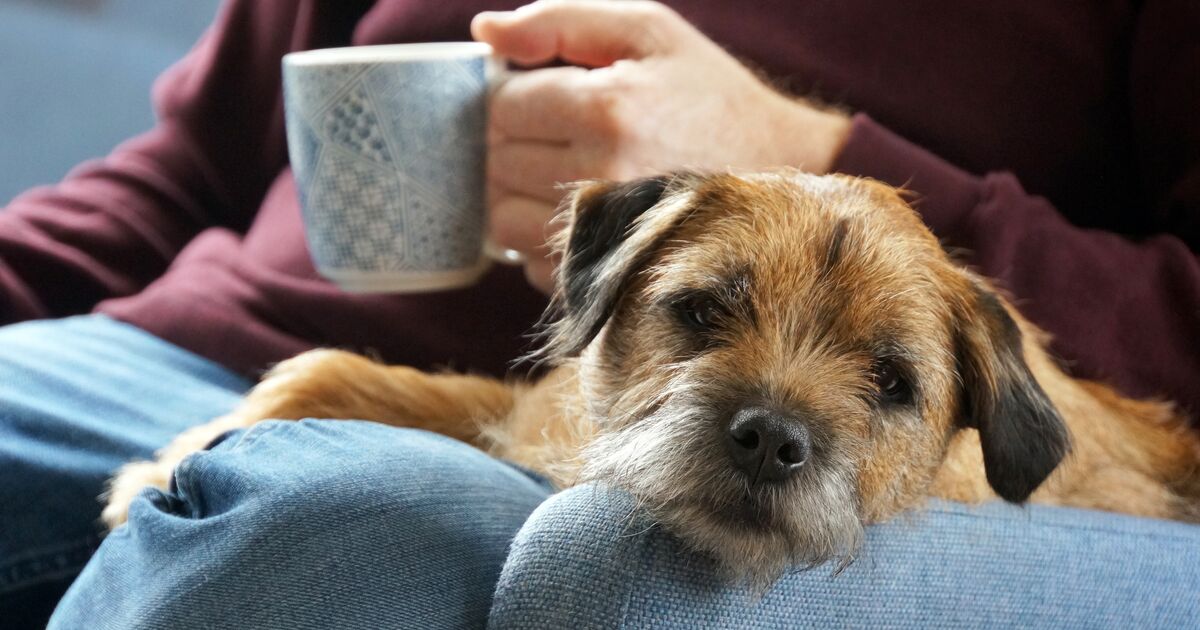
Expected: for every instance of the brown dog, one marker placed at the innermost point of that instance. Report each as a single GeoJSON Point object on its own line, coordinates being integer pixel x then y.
{"type": "Point", "coordinates": [766, 362]}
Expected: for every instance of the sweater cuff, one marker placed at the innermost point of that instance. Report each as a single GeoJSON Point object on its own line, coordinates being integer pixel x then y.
{"type": "Point", "coordinates": [944, 194]}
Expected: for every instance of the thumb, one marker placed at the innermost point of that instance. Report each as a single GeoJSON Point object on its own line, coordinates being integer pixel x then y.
{"type": "Point", "coordinates": [587, 33]}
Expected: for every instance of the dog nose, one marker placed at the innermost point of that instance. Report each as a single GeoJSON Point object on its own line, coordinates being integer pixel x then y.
{"type": "Point", "coordinates": [767, 446]}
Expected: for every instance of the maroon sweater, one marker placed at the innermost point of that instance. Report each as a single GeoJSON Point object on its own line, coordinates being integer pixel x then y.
{"type": "Point", "coordinates": [1069, 169]}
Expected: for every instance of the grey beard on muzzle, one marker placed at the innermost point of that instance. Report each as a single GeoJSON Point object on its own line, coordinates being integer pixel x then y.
{"type": "Point", "coordinates": [673, 464]}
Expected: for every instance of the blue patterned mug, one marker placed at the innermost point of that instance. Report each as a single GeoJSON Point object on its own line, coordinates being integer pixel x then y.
{"type": "Point", "coordinates": [387, 146]}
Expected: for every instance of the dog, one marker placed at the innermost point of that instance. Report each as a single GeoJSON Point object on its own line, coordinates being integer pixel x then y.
{"type": "Point", "coordinates": [767, 362]}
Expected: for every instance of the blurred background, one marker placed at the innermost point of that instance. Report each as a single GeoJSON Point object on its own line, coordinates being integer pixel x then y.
{"type": "Point", "coordinates": [75, 78]}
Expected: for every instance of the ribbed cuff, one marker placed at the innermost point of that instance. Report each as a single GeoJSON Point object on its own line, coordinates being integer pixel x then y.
{"type": "Point", "coordinates": [945, 194]}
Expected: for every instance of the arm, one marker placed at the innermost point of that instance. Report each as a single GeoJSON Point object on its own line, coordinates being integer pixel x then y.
{"type": "Point", "coordinates": [1120, 310]}
{"type": "Point", "coordinates": [114, 224]}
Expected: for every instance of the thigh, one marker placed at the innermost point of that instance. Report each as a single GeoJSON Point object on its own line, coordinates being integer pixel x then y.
{"type": "Point", "coordinates": [950, 565]}
{"type": "Point", "coordinates": [312, 524]}
{"type": "Point", "coordinates": [79, 397]}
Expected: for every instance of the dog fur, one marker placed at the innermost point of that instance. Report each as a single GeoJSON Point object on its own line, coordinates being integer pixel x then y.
{"type": "Point", "coordinates": [685, 298]}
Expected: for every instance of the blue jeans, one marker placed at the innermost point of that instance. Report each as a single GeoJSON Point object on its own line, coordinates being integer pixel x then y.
{"type": "Point", "coordinates": [78, 397]}
{"type": "Point", "coordinates": [312, 524]}
{"type": "Point", "coordinates": [580, 562]}
{"type": "Point", "coordinates": [321, 524]}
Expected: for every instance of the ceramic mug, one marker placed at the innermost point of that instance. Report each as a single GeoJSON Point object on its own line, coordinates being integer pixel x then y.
{"type": "Point", "coordinates": [387, 146]}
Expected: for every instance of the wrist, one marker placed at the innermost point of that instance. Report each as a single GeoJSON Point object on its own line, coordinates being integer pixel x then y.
{"type": "Point", "coordinates": [809, 137]}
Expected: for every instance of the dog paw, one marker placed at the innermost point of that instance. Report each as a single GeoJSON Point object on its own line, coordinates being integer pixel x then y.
{"type": "Point", "coordinates": [130, 480]}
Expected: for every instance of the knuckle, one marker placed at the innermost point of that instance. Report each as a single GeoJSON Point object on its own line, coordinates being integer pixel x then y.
{"type": "Point", "coordinates": [509, 105]}
{"type": "Point", "coordinates": [658, 24]}
{"type": "Point", "coordinates": [502, 209]}
{"type": "Point", "coordinates": [505, 227]}
{"type": "Point", "coordinates": [608, 110]}
{"type": "Point", "coordinates": [656, 10]}
{"type": "Point", "coordinates": [617, 171]}
{"type": "Point", "coordinates": [540, 274]}
{"type": "Point", "coordinates": [499, 157]}
{"type": "Point", "coordinates": [617, 160]}
{"type": "Point", "coordinates": [501, 111]}
{"type": "Point", "coordinates": [502, 234]}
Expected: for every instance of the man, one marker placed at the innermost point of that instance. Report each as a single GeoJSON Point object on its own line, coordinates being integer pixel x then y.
{"type": "Point", "coordinates": [187, 241]}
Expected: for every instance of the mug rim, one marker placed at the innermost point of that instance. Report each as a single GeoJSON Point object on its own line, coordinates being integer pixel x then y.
{"type": "Point", "coordinates": [388, 52]}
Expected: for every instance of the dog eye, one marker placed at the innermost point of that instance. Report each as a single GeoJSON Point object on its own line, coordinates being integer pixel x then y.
{"type": "Point", "coordinates": [700, 312]}
{"type": "Point", "coordinates": [890, 382]}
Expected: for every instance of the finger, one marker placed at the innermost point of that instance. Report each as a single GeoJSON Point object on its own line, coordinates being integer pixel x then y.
{"type": "Point", "coordinates": [544, 104]}
{"type": "Point", "coordinates": [540, 273]}
{"type": "Point", "coordinates": [521, 223]}
{"type": "Point", "coordinates": [591, 33]}
{"type": "Point", "coordinates": [537, 169]}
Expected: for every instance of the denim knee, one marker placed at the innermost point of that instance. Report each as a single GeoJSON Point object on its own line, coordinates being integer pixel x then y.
{"type": "Point", "coordinates": [587, 559]}
{"type": "Point", "coordinates": [315, 524]}
{"type": "Point", "coordinates": [330, 469]}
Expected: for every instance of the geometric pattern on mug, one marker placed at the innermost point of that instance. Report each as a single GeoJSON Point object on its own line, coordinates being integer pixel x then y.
{"type": "Point", "coordinates": [425, 96]}
{"type": "Point", "coordinates": [370, 237]}
{"type": "Point", "coordinates": [367, 163]}
{"type": "Point", "coordinates": [435, 241]}
{"type": "Point", "coordinates": [303, 149]}
{"type": "Point", "coordinates": [320, 86]}
{"type": "Point", "coordinates": [352, 123]}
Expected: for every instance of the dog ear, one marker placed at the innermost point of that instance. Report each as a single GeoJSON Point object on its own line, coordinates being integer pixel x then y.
{"type": "Point", "coordinates": [1022, 434]}
{"type": "Point", "coordinates": [612, 230]}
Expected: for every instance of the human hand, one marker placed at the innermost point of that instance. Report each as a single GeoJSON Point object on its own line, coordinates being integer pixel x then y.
{"type": "Point", "coordinates": [648, 93]}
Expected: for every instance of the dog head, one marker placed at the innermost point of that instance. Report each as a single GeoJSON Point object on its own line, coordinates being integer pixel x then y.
{"type": "Point", "coordinates": [773, 360]}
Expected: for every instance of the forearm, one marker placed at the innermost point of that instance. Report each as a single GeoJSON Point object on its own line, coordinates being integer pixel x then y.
{"type": "Point", "coordinates": [803, 134]}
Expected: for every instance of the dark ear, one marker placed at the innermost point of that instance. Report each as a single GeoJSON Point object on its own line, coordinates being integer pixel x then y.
{"type": "Point", "coordinates": [612, 229]}
{"type": "Point", "coordinates": [1023, 436]}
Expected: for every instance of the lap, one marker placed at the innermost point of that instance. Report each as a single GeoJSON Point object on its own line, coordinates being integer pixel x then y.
{"type": "Point", "coordinates": [79, 397]}
{"type": "Point", "coordinates": [321, 524]}
{"type": "Point", "coordinates": [312, 524]}
{"type": "Point", "coordinates": [345, 524]}
{"type": "Point", "coordinates": [950, 565]}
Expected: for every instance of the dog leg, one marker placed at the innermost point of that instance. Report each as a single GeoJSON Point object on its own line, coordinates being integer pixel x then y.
{"type": "Point", "coordinates": [330, 384]}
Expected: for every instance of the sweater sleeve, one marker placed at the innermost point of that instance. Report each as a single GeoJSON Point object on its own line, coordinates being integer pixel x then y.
{"type": "Point", "coordinates": [114, 224]}
{"type": "Point", "coordinates": [1123, 311]}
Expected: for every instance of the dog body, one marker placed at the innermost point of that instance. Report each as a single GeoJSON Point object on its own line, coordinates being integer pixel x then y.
{"type": "Point", "coordinates": [766, 362]}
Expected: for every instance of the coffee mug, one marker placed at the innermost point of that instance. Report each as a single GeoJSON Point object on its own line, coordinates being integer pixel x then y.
{"type": "Point", "coordinates": [387, 146]}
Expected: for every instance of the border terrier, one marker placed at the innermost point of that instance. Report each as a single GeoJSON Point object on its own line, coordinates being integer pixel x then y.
{"type": "Point", "coordinates": [767, 362]}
